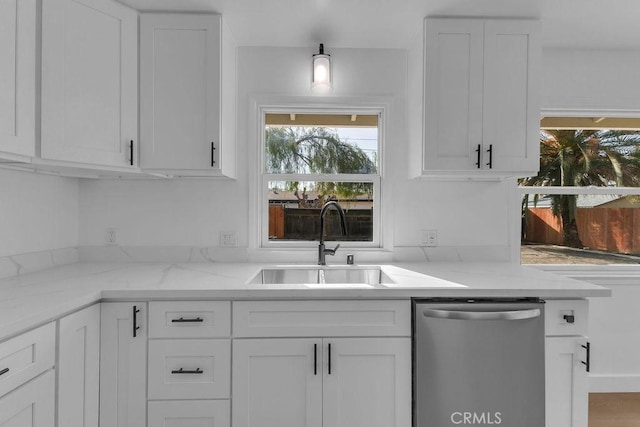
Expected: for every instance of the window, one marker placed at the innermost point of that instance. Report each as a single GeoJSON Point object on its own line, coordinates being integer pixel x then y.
{"type": "Point", "coordinates": [584, 205]}
{"type": "Point", "coordinates": [311, 158]}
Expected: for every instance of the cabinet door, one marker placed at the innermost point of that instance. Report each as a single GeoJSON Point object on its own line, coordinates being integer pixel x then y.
{"type": "Point", "coordinates": [453, 93]}
{"type": "Point", "coordinates": [511, 105]}
{"type": "Point", "coordinates": [17, 77]}
{"type": "Point", "coordinates": [123, 364]}
{"type": "Point", "coordinates": [276, 383]}
{"type": "Point", "coordinates": [89, 81]}
{"type": "Point", "coordinates": [180, 92]}
{"type": "Point", "coordinates": [369, 384]}
{"type": "Point", "coordinates": [195, 413]}
{"type": "Point", "coordinates": [567, 385]}
{"type": "Point", "coordinates": [31, 405]}
{"type": "Point", "coordinates": [79, 368]}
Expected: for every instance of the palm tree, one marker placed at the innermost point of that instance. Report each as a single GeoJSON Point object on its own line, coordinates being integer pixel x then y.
{"type": "Point", "coordinates": [584, 158]}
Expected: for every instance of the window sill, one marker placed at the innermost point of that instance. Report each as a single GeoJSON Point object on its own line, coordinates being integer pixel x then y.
{"type": "Point", "coordinates": [613, 274]}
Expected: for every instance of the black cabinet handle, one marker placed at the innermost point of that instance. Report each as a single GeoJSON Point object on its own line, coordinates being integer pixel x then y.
{"type": "Point", "coordinates": [569, 318]}
{"type": "Point", "coordinates": [135, 320]}
{"type": "Point", "coordinates": [183, 320]}
{"type": "Point", "coordinates": [213, 150]}
{"type": "Point", "coordinates": [329, 362]}
{"type": "Point", "coordinates": [315, 359]}
{"type": "Point", "coordinates": [588, 362]}
{"type": "Point", "coordinates": [478, 160]}
{"type": "Point", "coordinates": [186, 371]}
{"type": "Point", "coordinates": [4, 371]}
{"type": "Point", "coordinates": [131, 152]}
{"type": "Point", "coordinates": [490, 151]}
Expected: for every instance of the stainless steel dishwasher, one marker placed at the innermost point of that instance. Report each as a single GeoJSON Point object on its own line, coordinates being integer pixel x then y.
{"type": "Point", "coordinates": [478, 362]}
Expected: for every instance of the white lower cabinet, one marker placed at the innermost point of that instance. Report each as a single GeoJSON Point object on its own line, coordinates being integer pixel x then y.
{"type": "Point", "coordinates": [123, 364]}
{"type": "Point", "coordinates": [567, 382]}
{"type": "Point", "coordinates": [277, 382]}
{"type": "Point", "coordinates": [369, 383]}
{"type": "Point", "coordinates": [31, 405]}
{"type": "Point", "coordinates": [567, 360]}
{"type": "Point", "coordinates": [27, 379]}
{"type": "Point", "coordinates": [192, 413]}
{"type": "Point", "coordinates": [79, 368]}
{"type": "Point", "coordinates": [314, 382]}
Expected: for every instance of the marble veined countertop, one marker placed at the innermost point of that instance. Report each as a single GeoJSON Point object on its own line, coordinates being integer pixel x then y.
{"type": "Point", "coordinates": [33, 299]}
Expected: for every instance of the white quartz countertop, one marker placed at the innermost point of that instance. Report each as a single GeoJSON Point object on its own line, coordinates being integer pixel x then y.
{"type": "Point", "coordinates": [32, 299]}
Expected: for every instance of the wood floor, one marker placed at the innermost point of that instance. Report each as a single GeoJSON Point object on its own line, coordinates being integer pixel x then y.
{"type": "Point", "coordinates": [614, 409]}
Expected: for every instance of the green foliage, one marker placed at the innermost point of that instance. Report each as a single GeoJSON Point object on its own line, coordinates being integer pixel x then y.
{"type": "Point", "coordinates": [584, 158]}
{"type": "Point", "coordinates": [317, 150]}
{"type": "Point", "coordinates": [313, 150]}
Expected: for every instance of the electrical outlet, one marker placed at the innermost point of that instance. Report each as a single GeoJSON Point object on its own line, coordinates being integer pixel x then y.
{"type": "Point", "coordinates": [111, 236]}
{"type": "Point", "coordinates": [428, 237]}
{"type": "Point", "coordinates": [228, 238]}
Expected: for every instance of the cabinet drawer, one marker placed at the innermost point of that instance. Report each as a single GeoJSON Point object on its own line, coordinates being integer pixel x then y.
{"type": "Point", "coordinates": [198, 413]}
{"type": "Point", "coordinates": [189, 369]}
{"type": "Point", "coordinates": [566, 317]}
{"type": "Point", "coordinates": [321, 318]}
{"type": "Point", "coordinates": [189, 319]}
{"type": "Point", "coordinates": [25, 356]}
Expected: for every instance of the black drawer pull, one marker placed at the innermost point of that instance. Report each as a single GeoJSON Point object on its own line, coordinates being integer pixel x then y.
{"type": "Point", "coordinates": [213, 155]}
{"type": "Point", "coordinates": [569, 318]}
{"type": "Point", "coordinates": [186, 371]}
{"type": "Point", "coordinates": [490, 151]}
{"type": "Point", "coordinates": [315, 359]}
{"type": "Point", "coordinates": [587, 364]}
{"type": "Point", "coordinates": [4, 371]}
{"type": "Point", "coordinates": [135, 321]}
{"type": "Point", "coordinates": [478, 153]}
{"type": "Point", "coordinates": [183, 320]}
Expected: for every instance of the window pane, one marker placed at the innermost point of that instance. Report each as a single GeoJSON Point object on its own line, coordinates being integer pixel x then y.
{"type": "Point", "coordinates": [599, 229]}
{"type": "Point", "coordinates": [321, 144]}
{"type": "Point", "coordinates": [559, 227]}
{"type": "Point", "coordinates": [294, 210]}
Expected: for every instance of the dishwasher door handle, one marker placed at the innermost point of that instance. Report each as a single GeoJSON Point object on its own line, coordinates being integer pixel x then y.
{"type": "Point", "coordinates": [482, 315]}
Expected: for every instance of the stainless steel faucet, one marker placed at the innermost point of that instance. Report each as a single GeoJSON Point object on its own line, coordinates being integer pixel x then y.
{"type": "Point", "coordinates": [322, 251]}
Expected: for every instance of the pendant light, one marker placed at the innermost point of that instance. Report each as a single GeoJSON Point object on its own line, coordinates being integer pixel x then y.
{"type": "Point", "coordinates": [321, 77]}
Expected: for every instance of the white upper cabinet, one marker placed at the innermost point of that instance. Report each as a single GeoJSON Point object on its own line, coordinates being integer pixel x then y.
{"type": "Point", "coordinates": [481, 108]}
{"type": "Point", "coordinates": [89, 82]}
{"type": "Point", "coordinates": [181, 94]}
{"type": "Point", "coordinates": [17, 77]}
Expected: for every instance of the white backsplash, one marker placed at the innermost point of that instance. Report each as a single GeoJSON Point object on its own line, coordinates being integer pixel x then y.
{"type": "Point", "coordinates": [17, 265]}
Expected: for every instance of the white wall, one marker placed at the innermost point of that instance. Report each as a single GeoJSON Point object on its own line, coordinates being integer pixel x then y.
{"type": "Point", "coordinates": [37, 212]}
{"type": "Point", "coordinates": [600, 80]}
{"type": "Point", "coordinates": [193, 212]}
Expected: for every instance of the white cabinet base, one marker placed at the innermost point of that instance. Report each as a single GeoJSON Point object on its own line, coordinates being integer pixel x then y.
{"type": "Point", "coordinates": [31, 405]}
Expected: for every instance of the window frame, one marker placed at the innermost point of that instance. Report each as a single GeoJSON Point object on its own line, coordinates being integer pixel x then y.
{"type": "Point", "coordinates": [555, 190]}
{"type": "Point", "coordinates": [264, 178]}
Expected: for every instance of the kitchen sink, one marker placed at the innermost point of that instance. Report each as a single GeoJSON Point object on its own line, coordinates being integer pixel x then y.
{"type": "Point", "coordinates": [322, 277]}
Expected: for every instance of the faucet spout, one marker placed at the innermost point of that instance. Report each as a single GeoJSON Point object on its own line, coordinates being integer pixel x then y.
{"type": "Point", "coordinates": [322, 251]}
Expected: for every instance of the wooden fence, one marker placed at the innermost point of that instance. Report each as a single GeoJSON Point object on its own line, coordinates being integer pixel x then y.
{"type": "Point", "coordinates": [614, 230]}
{"type": "Point", "coordinates": [304, 224]}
